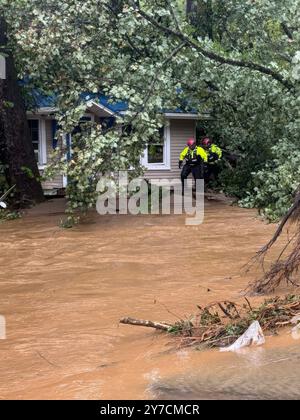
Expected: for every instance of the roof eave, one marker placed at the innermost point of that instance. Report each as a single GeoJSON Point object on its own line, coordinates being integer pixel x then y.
{"type": "Point", "coordinates": [43, 110]}
{"type": "Point", "coordinates": [100, 110]}
{"type": "Point", "coordinates": [186, 116]}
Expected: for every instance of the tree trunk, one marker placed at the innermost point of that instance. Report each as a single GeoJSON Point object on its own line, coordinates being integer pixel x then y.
{"type": "Point", "coordinates": [189, 6]}
{"type": "Point", "coordinates": [200, 15]}
{"type": "Point", "coordinates": [16, 148]}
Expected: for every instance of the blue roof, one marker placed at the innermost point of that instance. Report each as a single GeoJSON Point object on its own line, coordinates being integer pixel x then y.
{"type": "Point", "coordinates": [43, 101]}
{"type": "Point", "coordinates": [40, 100]}
{"type": "Point", "coordinates": [108, 102]}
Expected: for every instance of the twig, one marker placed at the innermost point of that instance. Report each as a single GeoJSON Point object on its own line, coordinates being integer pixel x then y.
{"type": "Point", "coordinates": [169, 311]}
{"type": "Point", "coordinates": [225, 311]}
{"type": "Point", "coordinates": [46, 360]}
{"type": "Point", "coordinates": [247, 300]}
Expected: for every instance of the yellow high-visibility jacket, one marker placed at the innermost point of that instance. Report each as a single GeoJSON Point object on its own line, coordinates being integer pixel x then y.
{"type": "Point", "coordinates": [215, 149]}
{"type": "Point", "coordinates": [190, 154]}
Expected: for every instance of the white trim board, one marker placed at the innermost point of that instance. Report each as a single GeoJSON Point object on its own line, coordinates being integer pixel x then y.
{"type": "Point", "coordinates": [186, 116]}
{"type": "Point", "coordinates": [42, 111]}
{"type": "Point", "coordinates": [166, 165]}
{"type": "Point", "coordinates": [99, 109]}
{"type": "Point", "coordinates": [42, 140]}
{"type": "Point", "coordinates": [2, 67]}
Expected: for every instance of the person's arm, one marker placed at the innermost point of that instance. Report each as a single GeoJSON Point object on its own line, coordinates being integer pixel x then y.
{"type": "Point", "coordinates": [183, 153]}
{"type": "Point", "coordinates": [217, 151]}
{"type": "Point", "coordinates": [213, 157]}
{"type": "Point", "coordinates": [182, 156]}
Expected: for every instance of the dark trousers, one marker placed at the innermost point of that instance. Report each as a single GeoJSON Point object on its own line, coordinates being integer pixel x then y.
{"type": "Point", "coordinates": [211, 172]}
{"type": "Point", "coordinates": [196, 170]}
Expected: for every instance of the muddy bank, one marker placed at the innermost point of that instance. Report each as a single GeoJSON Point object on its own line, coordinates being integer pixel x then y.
{"type": "Point", "coordinates": [63, 291]}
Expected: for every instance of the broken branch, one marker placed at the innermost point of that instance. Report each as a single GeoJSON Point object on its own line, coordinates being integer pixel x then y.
{"type": "Point", "coordinates": [145, 323]}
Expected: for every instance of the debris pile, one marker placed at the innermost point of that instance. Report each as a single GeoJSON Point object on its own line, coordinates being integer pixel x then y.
{"type": "Point", "coordinates": [221, 324]}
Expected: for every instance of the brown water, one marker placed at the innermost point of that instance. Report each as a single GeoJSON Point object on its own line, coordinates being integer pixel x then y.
{"type": "Point", "coordinates": [63, 291]}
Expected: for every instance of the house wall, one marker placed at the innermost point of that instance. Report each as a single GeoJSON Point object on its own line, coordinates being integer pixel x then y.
{"type": "Point", "coordinates": [58, 182]}
{"type": "Point", "coordinates": [180, 132]}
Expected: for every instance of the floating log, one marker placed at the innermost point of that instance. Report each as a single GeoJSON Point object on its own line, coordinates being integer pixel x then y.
{"type": "Point", "coordinates": [145, 323]}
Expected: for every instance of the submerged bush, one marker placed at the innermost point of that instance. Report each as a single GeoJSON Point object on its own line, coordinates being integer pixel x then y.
{"type": "Point", "coordinates": [9, 215]}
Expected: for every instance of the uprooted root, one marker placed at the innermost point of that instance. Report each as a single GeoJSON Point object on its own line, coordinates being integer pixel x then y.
{"type": "Point", "coordinates": [221, 323]}
{"type": "Point", "coordinates": [283, 270]}
{"type": "Point", "coordinates": [280, 272]}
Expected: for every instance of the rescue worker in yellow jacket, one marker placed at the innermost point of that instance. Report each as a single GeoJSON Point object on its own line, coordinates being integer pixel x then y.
{"type": "Point", "coordinates": [195, 157]}
{"type": "Point", "coordinates": [214, 156]}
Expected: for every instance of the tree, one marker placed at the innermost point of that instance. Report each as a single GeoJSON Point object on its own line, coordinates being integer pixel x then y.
{"type": "Point", "coordinates": [243, 68]}
{"type": "Point", "coordinates": [16, 149]}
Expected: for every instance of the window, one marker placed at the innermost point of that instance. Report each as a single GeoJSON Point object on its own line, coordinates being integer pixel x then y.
{"type": "Point", "coordinates": [157, 153]}
{"type": "Point", "coordinates": [34, 131]}
{"type": "Point", "coordinates": [78, 128]}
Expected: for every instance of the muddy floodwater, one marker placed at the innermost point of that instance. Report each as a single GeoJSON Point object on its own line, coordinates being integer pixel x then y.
{"type": "Point", "coordinates": [63, 292]}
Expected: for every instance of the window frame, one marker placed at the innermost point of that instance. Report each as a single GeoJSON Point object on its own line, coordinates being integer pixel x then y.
{"type": "Point", "coordinates": [166, 164]}
{"type": "Point", "coordinates": [42, 145]}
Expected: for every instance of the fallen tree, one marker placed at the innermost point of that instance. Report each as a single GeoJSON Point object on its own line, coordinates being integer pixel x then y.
{"type": "Point", "coordinates": [221, 323]}
{"type": "Point", "coordinates": [170, 59]}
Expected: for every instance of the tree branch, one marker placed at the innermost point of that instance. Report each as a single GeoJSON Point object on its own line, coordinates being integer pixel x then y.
{"type": "Point", "coordinates": [145, 323]}
{"type": "Point", "coordinates": [156, 76]}
{"type": "Point", "coordinates": [174, 16]}
{"type": "Point", "coordinates": [287, 31]}
{"type": "Point", "coordinates": [111, 10]}
{"type": "Point", "coordinates": [211, 55]}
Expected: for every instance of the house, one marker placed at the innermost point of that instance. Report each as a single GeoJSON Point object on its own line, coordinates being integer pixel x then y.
{"type": "Point", "coordinates": [160, 160]}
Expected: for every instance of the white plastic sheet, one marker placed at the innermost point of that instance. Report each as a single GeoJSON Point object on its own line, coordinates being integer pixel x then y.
{"type": "Point", "coordinates": [295, 319]}
{"type": "Point", "coordinates": [253, 336]}
{"type": "Point", "coordinates": [296, 332]}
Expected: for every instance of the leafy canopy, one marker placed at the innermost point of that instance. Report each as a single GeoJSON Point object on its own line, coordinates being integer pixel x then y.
{"type": "Point", "coordinates": [238, 60]}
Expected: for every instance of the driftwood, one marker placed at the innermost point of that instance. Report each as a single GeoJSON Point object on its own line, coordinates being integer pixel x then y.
{"type": "Point", "coordinates": [143, 323]}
